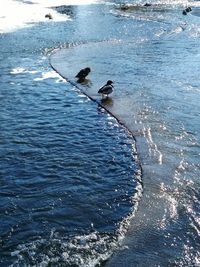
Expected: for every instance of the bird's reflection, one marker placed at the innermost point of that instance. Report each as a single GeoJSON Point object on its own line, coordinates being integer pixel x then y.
{"type": "Point", "coordinates": [107, 102]}
{"type": "Point", "coordinates": [85, 82]}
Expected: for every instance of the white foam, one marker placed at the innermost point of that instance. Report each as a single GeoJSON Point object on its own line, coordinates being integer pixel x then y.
{"type": "Point", "coordinates": [19, 70]}
{"type": "Point", "coordinates": [50, 74]}
{"type": "Point", "coordinates": [47, 3]}
{"type": "Point", "coordinates": [44, 75]}
{"type": "Point", "coordinates": [15, 15]}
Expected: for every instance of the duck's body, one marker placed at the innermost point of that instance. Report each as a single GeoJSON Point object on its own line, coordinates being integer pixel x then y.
{"type": "Point", "coordinates": [82, 74]}
{"type": "Point", "coordinates": [187, 10]}
{"type": "Point", "coordinates": [49, 16]}
{"type": "Point", "coordinates": [106, 89]}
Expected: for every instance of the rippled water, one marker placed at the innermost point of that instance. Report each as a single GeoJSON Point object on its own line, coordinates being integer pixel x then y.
{"type": "Point", "coordinates": [70, 172]}
{"type": "Point", "coordinates": [64, 172]}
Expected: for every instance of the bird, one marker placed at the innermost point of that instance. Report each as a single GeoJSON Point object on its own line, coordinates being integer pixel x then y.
{"type": "Point", "coordinates": [82, 74]}
{"type": "Point", "coordinates": [187, 10]}
{"type": "Point", "coordinates": [184, 12]}
{"type": "Point", "coordinates": [147, 4]}
{"type": "Point", "coordinates": [106, 89]}
{"type": "Point", "coordinates": [49, 16]}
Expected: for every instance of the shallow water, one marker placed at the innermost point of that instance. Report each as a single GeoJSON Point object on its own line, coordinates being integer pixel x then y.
{"type": "Point", "coordinates": [59, 205]}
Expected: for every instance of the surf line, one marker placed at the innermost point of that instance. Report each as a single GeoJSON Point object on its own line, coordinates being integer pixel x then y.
{"type": "Point", "coordinates": [75, 84]}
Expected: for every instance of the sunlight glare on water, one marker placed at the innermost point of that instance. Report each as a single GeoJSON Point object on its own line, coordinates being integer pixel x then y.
{"type": "Point", "coordinates": [70, 173]}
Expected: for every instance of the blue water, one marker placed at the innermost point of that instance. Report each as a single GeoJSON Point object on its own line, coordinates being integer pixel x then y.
{"type": "Point", "coordinates": [71, 189]}
{"type": "Point", "coordinates": [67, 169]}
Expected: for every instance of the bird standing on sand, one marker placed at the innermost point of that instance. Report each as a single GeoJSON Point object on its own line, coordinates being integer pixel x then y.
{"type": "Point", "coordinates": [82, 74]}
{"type": "Point", "coordinates": [106, 89]}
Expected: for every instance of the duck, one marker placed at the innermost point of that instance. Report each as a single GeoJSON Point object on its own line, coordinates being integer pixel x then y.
{"type": "Point", "coordinates": [49, 16]}
{"type": "Point", "coordinates": [187, 10]}
{"type": "Point", "coordinates": [184, 12]}
{"type": "Point", "coordinates": [81, 75]}
{"type": "Point", "coordinates": [106, 89]}
{"type": "Point", "coordinates": [147, 4]}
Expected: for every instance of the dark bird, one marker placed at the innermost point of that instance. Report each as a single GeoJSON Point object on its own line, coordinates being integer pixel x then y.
{"type": "Point", "coordinates": [82, 74]}
{"type": "Point", "coordinates": [49, 16]}
{"type": "Point", "coordinates": [106, 89]}
{"type": "Point", "coordinates": [187, 10]}
{"type": "Point", "coordinates": [147, 4]}
{"type": "Point", "coordinates": [184, 12]}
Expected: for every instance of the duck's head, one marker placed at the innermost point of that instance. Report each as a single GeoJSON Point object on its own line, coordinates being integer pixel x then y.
{"type": "Point", "coordinates": [88, 69]}
{"type": "Point", "coordinates": [109, 82]}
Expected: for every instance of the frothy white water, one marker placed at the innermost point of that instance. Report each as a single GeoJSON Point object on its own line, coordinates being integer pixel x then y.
{"type": "Point", "coordinates": [51, 3]}
{"type": "Point", "coordinates": [50, 74]}
{"type": "Point", "coordinates": [19, 14]}
{"type": "Point", "coordinates": [44, 75]}
{"type": "Point", "coordinates": [19, 70]}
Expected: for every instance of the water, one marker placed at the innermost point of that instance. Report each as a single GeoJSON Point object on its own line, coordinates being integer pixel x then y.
{"type": "Point", "coordinates": [70, 173]}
